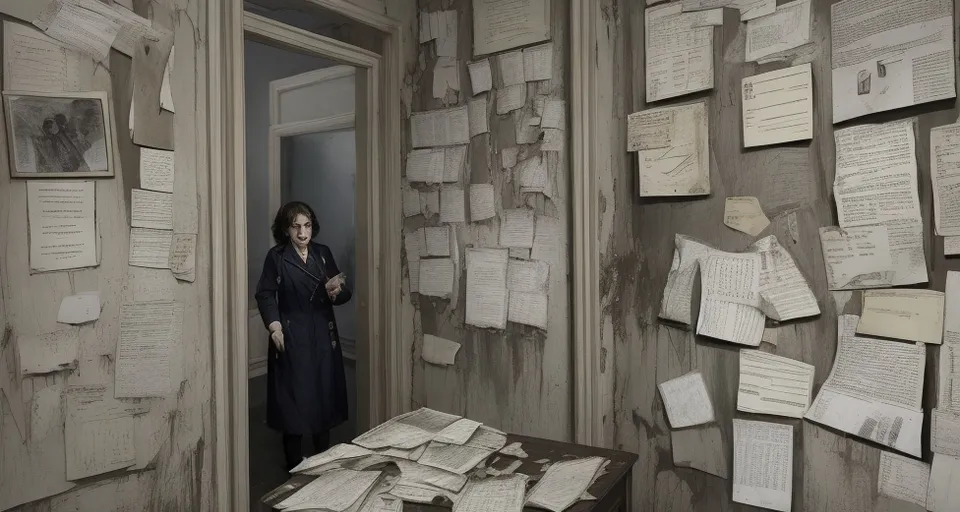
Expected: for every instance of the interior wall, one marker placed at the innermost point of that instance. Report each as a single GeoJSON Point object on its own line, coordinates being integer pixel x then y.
{"type": "Point", "coordinates": [519, 379]}
{"type": "Point", "coordinates": [832, 471]}
{"type": "Point", "coordinates": [174, 441]}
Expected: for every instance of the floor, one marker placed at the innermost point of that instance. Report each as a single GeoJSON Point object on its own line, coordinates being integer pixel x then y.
{"type": "Point", "coordinates": [266, 452]}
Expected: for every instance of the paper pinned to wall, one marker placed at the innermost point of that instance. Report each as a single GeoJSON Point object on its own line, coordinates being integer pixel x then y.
{"type": "Point", "coordinates": [411, 202]}
{"type": "Point", "coordinates": [511, 68]}
{"type": "Point", "coordinates": [778, 106]}
{"type": "Point", "coordinates": [453, 160]}
{"type": "Point", "coordinates": [481, 77]}
{"type": "Point", "coordinates": [452, 204]}
{"type": "Point", "coordinates": [904, 314]}
{"type": "Point", "coordinates": [942, 491]}
{"type": "Point", "coordinates": [99, 433]}
{"type": "Point", "coordinates": [499, 25]}
{"type": "Point", "coordinates": [478, 115]}
{"type": "Point", "coordinates": [547, 240]}
{"type": "Point", "coordinates": [62, 221]}
{"type": "Point", "coordinates": [553, 140]}
{"type": "Point", "coordinates": [519, 253]}
{"type": "Point", "coordinates": [149, 336]}
{"type": "Point", "coordinates": [785, 293]}
{"type": "Point", "coordinates": [948, 383]}
{"type": "Point", "coordinates": [78, 309]}
{"type": "Point", "coordinates": [945, 432]}
{"type": "Point", "coordinates": [511, 98]}
{"type": "Point", "coordinates": [749, 9]}
{"type": "Point", "coordinates": [444, 127]}
{"type": "Point", "coordinates": [903, 478]}
{"type": "Point", "coordinates": [679, 57]}
{"type": "Point", "coordinates": [856, 257]}
{"type": "Point", "coordinates": [150, 247]}
{"type": "Point", "coordinates": [156, 170]}
{"type": "Point", "coordinates": [152, 126]}
{"type": "Point", "coordinates": [447, 37]}
{"type": "Point", "coordinates": [517, 228]}
{"type": "Point", "coordinates": [650, 129]}
{"type": "Point", "coordinates": [183, 256]}
{"type": "Point", "coordinates": [415, 244]}
{"type": "Point", "coordinates": [34, 61]}
{"type": "Point", "coordinates": [429, 202]}
{"type": "Point", "coordinates": [482, 202]}
{"type": "Point", "coordinates": [425, 166]}
{"type": "Point", "coordinates": [785, 29]}
{"type": "Point", "coordinates": [554, 114]}
{"type": "Point", "coordinates": [538, 63]}
{"type": "Point", "coordinates": [152, 210]}
{"type": "Point", "coordinates": [439, 351]}
{"type": "Point", "coordinates": [678, 291]}
{"type": "Point", "coordinates": [730, 298]}
{"type": "Point", "coordinates": [686, 400]}
{"type": "Point", "coordinates": [763, 464]}
{"type": "Point", "coordinates": [48, 353]}
{"type": "Point", "coordinates": [771, 384]}
{"type": "Point", "coordinates": [682, 166]}
{"type": "Point", "coordinates": [528, 276]}
{"type": "Point", "coordinates": [528, 309]}
{"type": "Point", "coordinates": [745, 214]}
{"type": "Point", "coordinates": [436, 277]}
{"type": "Point", "coordinates": [532, 175]}
{"type": "Point", "coordinates": [709, 18]}
{"type": "Point", "coordinates": [88, 26]}
{"type": "Point", "coordinates": [487, 288]}
{"type": "Point", "coordinates": [446, 75]}
{"type": "Point", "coordinates": [903, 57]}
{"type": "Point", "coordinates": [437, 240]}
{"type": "Point", "coordinates": [945, 174]}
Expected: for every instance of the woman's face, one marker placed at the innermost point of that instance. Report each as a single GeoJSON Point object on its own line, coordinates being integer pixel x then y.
{"type": "Point", "coordinates": [301, 231]}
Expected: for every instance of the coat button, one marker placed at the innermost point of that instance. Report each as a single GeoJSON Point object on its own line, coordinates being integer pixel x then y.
{"type": "Point", "coordinates": [329, 325]}
{"type": "Point", "coordinates": [333, 343]}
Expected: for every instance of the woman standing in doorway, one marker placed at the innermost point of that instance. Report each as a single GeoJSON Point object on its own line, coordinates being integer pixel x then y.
{"type": "Point", "coordinates": [300, 284]}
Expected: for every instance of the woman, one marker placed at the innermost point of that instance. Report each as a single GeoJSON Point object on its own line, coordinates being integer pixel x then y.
{"type": "Point", "coordinates": [300, 284]}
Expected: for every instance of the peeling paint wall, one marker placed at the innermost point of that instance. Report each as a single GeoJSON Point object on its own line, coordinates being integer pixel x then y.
{"type": "Point", "coordinates": [519, 379]}
{"type": "Point", "coordinates": [174, 466]}
{"type": "Point", "coordinates": [831, 471]}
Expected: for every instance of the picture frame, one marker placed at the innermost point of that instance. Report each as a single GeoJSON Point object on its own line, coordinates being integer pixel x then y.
{"type": "Point", "coordinates": [59, 134]}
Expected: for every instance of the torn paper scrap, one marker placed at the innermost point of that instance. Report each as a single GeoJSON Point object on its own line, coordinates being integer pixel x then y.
{"type": "Point", "coordinates": [903, 314]}
{"type": "Point", "coordinates": [686, 400]}
{"type": "Point", "coordinates": [482, 202]}
{"type": "Point", "coordinates": [48, 353]}
{"type": "Point", "coordinates": [79, 309]}
{"type": "Point", "coordinates": [785, 293]}
{"type": "Point", "coordinates": [439, 351]}
{"type": "Point", "coordinates": [763, 464]}
{"type": "Point", "coordinates": [678, 292]}
{"type": "Point", "coordinates": [856, 257]}
{"type": "Point", "coordinates": [744, 214]}
{"type": "Point", "coordinates": [481, 79]}
{"type": "Point", "coordinates": [771, 384]}
{"type": "Point", "coordinates": [903, 478]}
{"type": "Point", "coordinates": [514, 450]}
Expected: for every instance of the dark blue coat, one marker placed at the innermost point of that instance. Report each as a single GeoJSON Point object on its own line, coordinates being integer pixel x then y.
{"type": "Point", "coordinates": [306, 387]}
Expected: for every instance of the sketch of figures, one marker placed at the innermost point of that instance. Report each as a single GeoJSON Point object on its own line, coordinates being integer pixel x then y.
{"type": "Point", "coordinates": [59, 134]}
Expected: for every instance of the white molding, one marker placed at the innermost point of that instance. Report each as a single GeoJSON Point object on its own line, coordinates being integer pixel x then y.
{"type": "Point", "coordinates": [588, 391]}
{"type": "Point", "coordinates": [292, 83]}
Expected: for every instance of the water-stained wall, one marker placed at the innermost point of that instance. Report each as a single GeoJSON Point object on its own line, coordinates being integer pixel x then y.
{"type": "Point", "coordinates": [832, 471]}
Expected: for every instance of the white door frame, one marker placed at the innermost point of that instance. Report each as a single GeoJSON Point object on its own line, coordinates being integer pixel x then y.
{"type": "Point", "coordinates": [379, 156]}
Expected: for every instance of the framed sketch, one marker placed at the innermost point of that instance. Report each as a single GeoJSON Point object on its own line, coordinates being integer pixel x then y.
{"type": "Point", "coordinates": [59, 135]}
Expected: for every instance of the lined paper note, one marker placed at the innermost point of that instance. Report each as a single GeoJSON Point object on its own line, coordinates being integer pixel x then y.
{"type": "Point", "coordinates": [502, 494]}
{"type": "Point", "coordinates": [458, 432]}
{"type": "Point", "coordinates": [87, 25]}
{"type": "Point", "coordinates": [910, 315]}
{"type": "Point", "coordinates": [511, 98]}
{"type": "Point", "coordinates": [510, 65]}
{"type": "Point", "coordinates": [482, 202]}
{"type": "Point", "coordinates": [452, 204]}
{"type": "Point", "coordinates": [778, 106]}
{"type": "Point", "coordinates": [478, 115]}
{"type": "Point", "coordinates": [156, 170]}
{"type": "Point", "coordinates": [437, 240]}
{"type": "Point", "coordinates": [538, 62]}
{"type": "Point", "coordinates": [948, 383]}
{"type": "Point", "coordinates": [546, 241]}
{"type": "Point", "coordinates": [453, 159]}
{"type": "Point", "coordinates": [411, 202]}
{"type": "Point", "coordinates": [730, 298]}
{"type": "Point", "coordinates": [152, 210]}
{"type": "Point", "coordinates": [554, 114]}
{"type": "Point", "coordinates": [79, 309]}
{"type": "Point", "coordinates": [945, 432]}
{"type": "Point", "coordinates": [487, 288]}
{"type": "Point", "coordinates": [335, 490]}
{"type": "Point", "coordinates": [183, 256]}
{"type": "Point", "coordinates": [150, 248]}
{"type": "Point", "coordinates": [517, 228]}
{"type": "Point", "coordinates": [436, 277]}
{"type": "Point", "coordinates": [771, 384]}
{"type": "Point", "coordinates": [680, 165]}
{"type": "Point", "coordinates": [749, 9]}
{"type": "Point", "coordinates": [856, 257]}
{"type": "Point", "coordinates": [149, 335]}
{"type": "Point", "coordinates": [686, 400]}
{"type": "Point", "coordinates": [942, 492]}
{"type": "Point", "coordinates": [564, 483]}
{"type": "Point", "coordinates": [678, 292]}
{"type": "Point", "coordinates": [528, 276]}
{"type": "Point", "coordinates": [785, 293]}
{"type": "Point", "coordinates": [528, 309]}
{"type": "Point", "coordinates": [99, 433]}
{"type": "Point", "coordinates": [679, 57]}
{"type": "Point", "coordinates": [48, 353]}
{"type": "Point", "coordinates": [425, 166]}
{"type": "Point", "coordinates": [481, 79]}
{"type": "Point", "coordinates": [785, 29]}
{"type": "Point", "coordinates": [945, 174]}
{"type": "Point", "coordinates": [36, 62]}
{"type": "Point", "coordinates": [61, 217]}
{"type": "Point", "coordinates": [499, 25]}
{"type": "Point", "coordinates": [903, 478]}
{"type": "Point", "coordinates": [446, 127]}
{"type": "Point", "coordinates": [762, 464]}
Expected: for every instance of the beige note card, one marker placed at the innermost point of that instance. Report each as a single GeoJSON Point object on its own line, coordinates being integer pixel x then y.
{"type": "Point", "coordinates": [744, 214]}
{"type": "Point", "coordinates": [903, 314]}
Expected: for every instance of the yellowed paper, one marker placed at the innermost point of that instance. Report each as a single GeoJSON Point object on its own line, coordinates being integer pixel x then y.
{"type": "Point", "coordinates": [745, 214]}
{"type": "Point", "coordinates": [500, 25]}
{"type": "Point", "coordinates": [778, 106]}
{"type": "Point", "coordinates": [905, 314]}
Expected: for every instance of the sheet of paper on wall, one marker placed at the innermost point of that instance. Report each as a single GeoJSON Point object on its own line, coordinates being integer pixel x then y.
{"type": "Point", "coordinates": [62, 221]}
{"type": "Point", "coordinates": [511, 68]}
{"type": "Point", "coordinates": [446, 75]}
{"type": "Point", "coordinates": [686, 400]}
{"type": "Point", "coordinates": [564, 483]}
{"type": "Point", "coordinates": [500, 25]}
{"type": "Point", "coordinates": [478, 115]}
{"type": "Point", "coordinates": [152, 126]}
{"type": "Point", "coordinates": [948, 384]}
{"type": "Point", "coordinates": [482, 202]}
{"type": "Point", "coordinates": [785, 29]}
{"type": "Point", "coordinates": [553, 140]}
{"type": "Point", "coordinates": [745, 214]}
{"type": "Point", "coordinates": [34, 61]}
{"type": "Point", "coordinates": [452, 204]}
{"type": "Point", "coordinates": [447, 37]}
{"type": "Point", "coordinates": [150, 247]}
{"type": "Point", "coordinates": [437, 240]}
{"type": "Point", "coordinates": [99, 433]}
{"type": "Point", "coordinates": [436, 277]}
{"type": "Point", "coordinates": [156, 170]}
{"type": "Point", "coordinates": [413, 269]}
{"type": "Point", "coordinates": [183, 256]}
{"type": "Point", "coordinates": [678, 292]}
{"type": "Point", "coordinates": [763, 464]}
{"type": "Point", "coordinates": [903, 314]}
{"type": "Point", "coordinates": [856, 257]}
{"type": "Point", "coordinates": [951, 246]}
{"type": "Point", "coordinates": [771, 384]}
{"type": "Point", "coordinates": [538, 62]}
{"type": "Point", "coordinates": [415, 244]}
{"type": "Point", "coordinates": [429, 202]}
{"type": "Point", "coordinates": [411, 202]}
{"type": "Point", "coordinates": [730, 298]}
{"type": "Point", "coordinates": [519, 253]}
{"type": "Point", "coordinates": [133, 28]}
{"type": "Point", "coordinates": [546, 241]}
{"type": "Point", "coordinates": [48, 353]}
{"type": "Point", "coordinates": [681, 167]}
{"type": "Point", "coordinates": [778, 106]}
{"type": "Point", "coordinates": [908, 59]}
{"type": "Point", "coordinates": [444, 127]}
{"type": "Point", "coordinates": [903, 478]}
{"type": "Point", "coordinates": [82, 308]}
{"type": "Point", "coordinates": [749, 9]}
{"type": "Point", "coordinates": [453, 159]}
{"type": "Point", "coordinates": [517, 228]}
{"type": "Point", "coordinates": [785, 293]}
{"type": "Point", "coordinates": [531, 175]}
{"type": "Point", "coordinates": [425, 166]}
{"type": "Point", "coordinates": [429, 26]}
{"type": "Point", "coordinates": [508, 157]}
{"type": "Point", "coordinates": [88, 26]}
{"type": "Point", "coordinates": [528, 309]}
{"type": "Point", "coordinates": [503, 493]}
{"type": "Point", "coordinates": [700, 448]}
{"type": "Point", "coordinates": [146, 351]}
{"type": "Point", "coordinates": [439, 351]}
{"type": "Point", "coordinates": [152, 210]}
{"type": "Point", "coordinates": [679, 58]}
{"type": "Point", "coordinates": [945, 432]}
{"type": "Point", "coordinates": [481, 77]}
{"type": "Point", "coordinates": [943, 493]}
{"type": "Point", "coordinates": [945, 174]}
{"type": "Point", "coordinates": [487, 302]}
{"type": "Point", "coordinates": [874, 390]}
{"type": "Point", "coordinates": [511, 98]}
{"type": "Point", "coordinates": [528, 276]}
{"type": "Point", "coordinates": [26, 11]}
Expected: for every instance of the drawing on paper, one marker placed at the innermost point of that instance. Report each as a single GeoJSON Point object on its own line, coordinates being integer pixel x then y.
{"type": "Point", "coordinates": [863, 82]}
{"type": "Point", "coordinates": [58, 135]}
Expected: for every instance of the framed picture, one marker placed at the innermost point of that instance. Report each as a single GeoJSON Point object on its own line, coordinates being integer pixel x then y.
{"type": "Point", "coordinates": [59, 135]}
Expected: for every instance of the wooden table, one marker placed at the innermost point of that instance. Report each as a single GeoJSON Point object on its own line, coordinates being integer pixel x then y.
{"type": "Point", "coordinates": [612, 489]}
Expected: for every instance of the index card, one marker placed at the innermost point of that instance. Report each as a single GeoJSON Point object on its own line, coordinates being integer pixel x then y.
{"type": "Point", "coordinates": [744, 214]}
{"type": "Point", "coordinates": [34, 61]}
{"type": "Point", "coordinates": [149, 333]}
{"type": "Point", "coordinates": [62, 221]}
{"type": "Point", "coordinates": [452, 204]}
{"type": "Point", "coordinates": [429, 202]}
{"type": "Point", "coordinates": [532, 175]}
{"type": "Point", "coordinates": [152, 210]}
{"type": "Point", "coordinates": [945, 432]}
{"type": "Point", "coordinates": [678, 292]}
{"type": "Point", "coordinates": [910, 59]}
{"type": "Point", "coordinates": [411, 202]}
{"type": "Point", "coordinates": [183, 256]}
{"type": "Point", "coordinates": [564, 483]}
{"type": "Point", "coordinates": [772, 384]}
{"type": "Point", "coordinates": [478, 115]}
{"type": "Point", "coordinates": [730, 296]}
{"type": "Point", "coordinates": [528, 309]}
{"type": "Point", "coordinates": [79, 309]}
{"type": "Point", "coordinates": [682, 167]}
{"type": "Point", "coordinates": [510, 98]}
{"type": "Point", "coordinates": [749, 9]}
{"type": "Point", "coordinates": [874, 390]}
{"type": "Point", "coordinates": [686, 400]}
{"type": "Point", "coordinates": [538, 62]}
{"type": "Point", "coordinates": [458, 432]}
{"type": "Point", "coordinates": [784, 293]}
{"type": "Point", "coordinates": [481, 79]}
{"type": "Point", "coordinates": [503, 493]}
{"type": "Point", "coordinates": [499, 25]}
{"type": "Point", "coordinates": [517, 228]}
{"type": "Point", "coordinates": [778, 106]}
{"type": "Point", "coordinates": [482, 202]}
{"type": "Point", "coordinates": [785, 29]}
{"type": "Point", "coordinates": [508, 157]}
{"type": "Point", "coordinates": [903, 478]}
{"type": "Point", "coordinates": [87, 25]}
{"type": "Point", "coordinates": [436, 277]}
{"type": "Point", "coordinates": [904, 314]}
{"type": "Point", "coordinates": [49, 353]}
{"type": "Point", "coordinates": [554, 114]}
{"type": "Point", "coordinates": [949, 390]}
{"type": "Point", "coordinates": [945, 174]}
{"type": "Point", "coordinates": [942, 491]}
{"type": "Point", "coordinates": [335, 490]}
{"type": "Point", "coordinates": [437, 240]}
{"type": "Point", "coordinates": [445, 127]}
{"type": "Point", "coordinates": [528, 276]}
{"type": "Point", "coordinates": [679, 58]}
{"type": "Point", "coordinates": [511, 68]}
{"type": "Point", "coordinates": [98, 434]}
{"type": "Point", "coordinates": [763, 464]}
{"type": "Point", "coordinates": [856, 257]}
{"type": "Point", "coordinates": [425, 166]}
{"type": "Point", "coordinates": [446, 75]}
{"type": "Point", "coordinates": [487, 288]}
{"type": "Point", "coordinates": [150, 248]}
{"type": "Point", "coordinates": [156, 170]}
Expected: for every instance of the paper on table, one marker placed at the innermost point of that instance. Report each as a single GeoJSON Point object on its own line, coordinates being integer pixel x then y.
{"type": "Point", "coordinates": [406, 431]}
{"type": "Point", "coordinates": [784, 293]}
{"type": "Point", "coordinates": [678, 292]}
{"type": "Point", "coordinates": [425, 165]}
{"type": "Point", "coordinates": [564, 483]}
{"type": "Point", "coordinates": [546, 242]}
{"type": "Point", "coordinates": [62, 221]}
{"type": "Point", "coordinates": [445, 127]}
{"type": "Point", "coordinates": [436, 277]}
{"type": "Point", "coordinates": [508, 157]}
{"type": "Point", "coordinates": [478, 115]}
{"type": "Point", "coordinates": [503, 494]}
{"type": "Point", "coordinates": [511, 68]}
{"type": "Point", "coordinates": [152, 210]}
{"type": "Point", "coordinates": [458, 432]}
{"type": "Point", "coordinates": [452, 204]}
{"type": "Point", "coordinates": [149, 337]}
{"type": "Point", "coordinates": [874, 390]}
{"type": "Point", "coordinates": [772, 384]}
{"type": "Point", "coordinates": [429, 202]}
{"type": "Point", "coordinates": [778, 106]}
{"type": "Point", "coordinates": [686, 400]}
{"type": "Point", "coordinates": [554, 114]}
{"type": "Point", "coordinates": [150, 248]}
{"type": "Point", "coordinates": [682, 167]}
{"type": "Point", "coordinates": [763, 464]}
{"type": "Point", "coordinates": [856, 257]}
{"type": "Point", "coordinates": [87, 25]}
{"type": "Point", "coordinates": [528, 309]}
{"type": "Point", "coordinates": [166, 92]}
{"type": "Point", "coordinates": [679, 57]}
{"type": "Point", "coordinates": [99, 433]}
{"type": "Point", "coordinates": [903, 478]}
{"type": "Point", "coordinates": [499, 25]}
{"type": "Point", "coordinates": [156, 170]}
{"type": "Point", "coordinates": [80, 308]}
{"type": "Point", "coordinates": [334, 453]}
{"type": "Point", "coordinates": [487, 288]}
{"type": "Point", "coordinates": [538, 62]}
{"type": "Point", "coordinates": [510, 98]}
{"type": "Point", "coordinates": [905, 314]}
{"type": "Point", "coordinates": [481, 78]}
{"type": "Point", "coordinates": [517, 228]}
{"type": "Point", "coordinates": [514, 450]}
{"type": "Point", "coordinates": [785, 29]}
{"type": "Point", "coordinates": [943, 493]}
{"type": "Point", "coordinates": [49, 353]}
{"type": "Point", "coordinates": [482, 202]}
{"type": "Point", "coordinates": [462, 458]}
{"type": "Point", "coordinates": [437, 240]}
{"type": "Point", "coordinates": [749, 9]}
{"type": "Point", "coordinates": [948, 384]}
{"type": "Point", "coordinates": [945, 432]}
{"type": "Point", "coordinates": [903, 57]}
{"type": "Point", "coordinates": [446, 74]}
{"type": "Point", "coordinates": [945, 174]}
{"type": "Point", "coordinates": [34, 61]}
{"type": "Point", "coordinates": [183, 256]}
{"type": "Point", "coordinates": [335, 491]}
{"type": "Point", "coordinates": [745, 214]}
{"type": "Point", "coordinates": [439, 351]}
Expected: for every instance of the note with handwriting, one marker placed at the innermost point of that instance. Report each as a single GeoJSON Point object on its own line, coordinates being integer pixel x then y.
{"type": "Point", "coordinates": [564, 483]}
{"type": "Point", "coordinates": [500, 25]}
{"type": "Point", "coordinates": [678, 292]}
{"type": "Point", "coordinates": [147, 350]}
{"type": "Point", "coordinates": [679, 57]}
{"type": "Point", "coordinates": [150, 247]}
{"type": "Point", "coordinates": [730, 298]}
{"type": "Point", "coordinates": [903, 478]}
{"type": "Point", "coordinates": [945, 432]}
{"type": "Point", "coordinates": [34, 61]}
{"type": "Point", "coordinates": [538, 62]}
{"type": "Point", "coordinates": [156, 170]}
{"type": "Point", "coordinates": [335, 490]}
{"type": "Point", "coordinates": [87, 25]}
{"type": "Point", "coordinates": [99, 433]}
{"type": "Point", "coordinates": [763, 464]}
{"type": "Point", "coordinates": [444, 127]}
{"type": "Point", "coordinates": [785, 293]}
{"type": "Point", "coordinates": [673, 150]}
{"type": "Point", "coordinates": [517, 228]}
{"type": "Point", "coordinates": [482, 202]}
{"type": "Point", "coordinates": [904, 314]}
{"type": "Point", "coordinates": [504, 494]}
{"type": "Point", "coordinates": [436, 277]}
{"type": "Point", "coordinates": [778, 106]}
{"type": "Point", "coordinates": [749, 9]}
{"type": "Point", "coordinates": [945, 174]}
{"type": "Point", "coordinates": [686, 400]}
{"type": "Point", "coordinates": [745, 214]}
{"type": "Point", "coordinates": [857, 257]}
{"type": "Point", "coordinates": [777, 33]}
{"type": "Point", "coordinates": [771, 384]}
{"type": "Point", "coordinates": [487, 296]}
{"type": "Point", "coordinates": [152, 210]}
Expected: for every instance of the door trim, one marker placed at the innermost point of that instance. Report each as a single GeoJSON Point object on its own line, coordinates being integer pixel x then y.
{"type": "Point", "coordinates": [292, 83]}
{"type": "Point", "coordinates": [380, 108]}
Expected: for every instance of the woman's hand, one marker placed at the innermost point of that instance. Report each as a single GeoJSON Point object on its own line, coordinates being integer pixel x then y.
{"type": "Point", "coordinates": [276, 335]}
{"type": "Point", "coordinates": [334, 286]}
